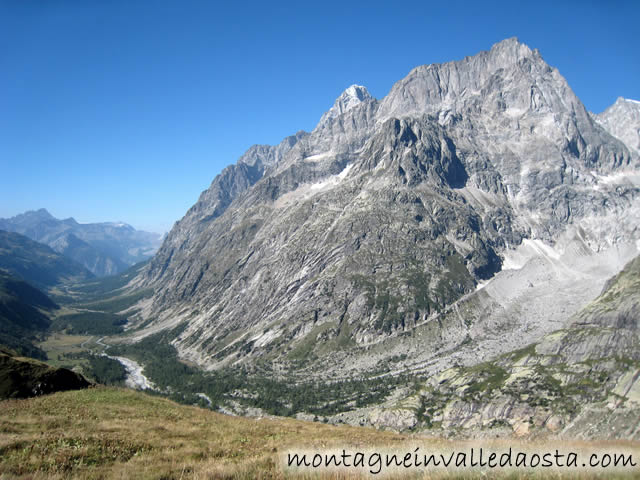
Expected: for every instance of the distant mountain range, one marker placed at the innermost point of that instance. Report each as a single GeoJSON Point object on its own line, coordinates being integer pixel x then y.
{"type": "Point", "coordinates": [102, 248]}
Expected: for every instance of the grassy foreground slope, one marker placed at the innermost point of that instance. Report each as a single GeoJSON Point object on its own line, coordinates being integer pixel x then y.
{"type": "Point", "coordinates": [116, 433]}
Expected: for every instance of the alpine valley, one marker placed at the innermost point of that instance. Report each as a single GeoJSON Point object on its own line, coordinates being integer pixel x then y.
{"type": "Point", "coordinates": [455, 258]}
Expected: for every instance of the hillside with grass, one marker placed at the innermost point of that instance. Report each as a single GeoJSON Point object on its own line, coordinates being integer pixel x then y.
{"type": "Point", "coordinates": [110, 433]}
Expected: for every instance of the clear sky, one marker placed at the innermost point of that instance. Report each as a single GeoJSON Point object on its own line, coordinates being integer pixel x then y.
{"type": "Point", "coordinates": [125, 110]}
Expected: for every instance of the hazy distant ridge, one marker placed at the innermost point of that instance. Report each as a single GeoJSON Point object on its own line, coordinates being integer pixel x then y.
{"type": "Point", "coordinates": [103, 248]}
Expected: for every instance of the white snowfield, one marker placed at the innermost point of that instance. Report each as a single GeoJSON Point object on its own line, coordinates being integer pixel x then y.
{"type": "Point", "coordinates": [319, 156]}
{"type": "Point", "coordinates": [307, 190]}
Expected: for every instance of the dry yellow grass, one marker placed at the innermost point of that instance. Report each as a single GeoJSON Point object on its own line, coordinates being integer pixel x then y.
{"type": "Point", "coordinates": [116, 433]}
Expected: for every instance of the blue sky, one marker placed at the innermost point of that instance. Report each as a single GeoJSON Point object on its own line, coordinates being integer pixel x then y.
{"type": "Point", "coordinates": [127, 109]}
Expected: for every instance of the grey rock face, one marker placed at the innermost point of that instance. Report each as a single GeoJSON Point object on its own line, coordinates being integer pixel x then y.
{"type": "Point", "coordinates": [622, 120]}
{"type": "Point", "coordinates": [232, 181]}
{"type": "Point", "coordinates": [102, 248]}
{"type": "Point", "coordinates": [88, 256]}
{"type": "Point", "coordinates": [352, 239]}
{"type": "Point", "coordinates": [352, 97]}
{"type": "Point", "coordinates": [580, 381]}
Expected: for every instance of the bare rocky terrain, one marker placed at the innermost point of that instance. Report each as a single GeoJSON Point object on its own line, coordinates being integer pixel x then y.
{"type": "Point", "coordinates": [580, 381]}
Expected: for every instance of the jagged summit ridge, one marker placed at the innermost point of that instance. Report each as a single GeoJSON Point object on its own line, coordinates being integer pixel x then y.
{"type": "Point", "coordinates": [512, 50]}
{"type": "Point", "coordinates": [509, 76]}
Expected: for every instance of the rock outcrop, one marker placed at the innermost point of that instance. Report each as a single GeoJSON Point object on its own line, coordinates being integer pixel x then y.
{"type": "Point", "coordinates": [22, 377]}
{"type": "Point", "coordinates": [582, 381]}
{"type": "Point", "coordinates": [621, 120]}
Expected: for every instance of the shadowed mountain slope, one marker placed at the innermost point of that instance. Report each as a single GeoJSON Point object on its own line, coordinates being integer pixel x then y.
{"type": "Point", "coordinates": [23, 315]}
{"type": "Point", "coordinates": [22, 377]}
{"type": "Point", "coordinates": [36, 263]}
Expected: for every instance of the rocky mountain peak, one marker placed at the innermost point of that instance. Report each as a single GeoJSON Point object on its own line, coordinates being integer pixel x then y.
{"type": "Point", "coordinates": [44, 213]}
{"type": "Point", "coordinates": [512, 49]}
{"type": "Point", "coordinates": [622, 120]}
{"type": "Point", "coordinates": [41, 214]}
{"type": "Point", "coordinates": [350, 98]}
{"type": "Point", "coordinates": [388, 213]}
{"type": "Point", "coordinates": [508, 76]}
{"type": "Point", "coordinates": [627, 105]}
{"type": "Point", "coordinates": [628, 102]}
{"type": "Point", "coordinates": [355, 92]}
